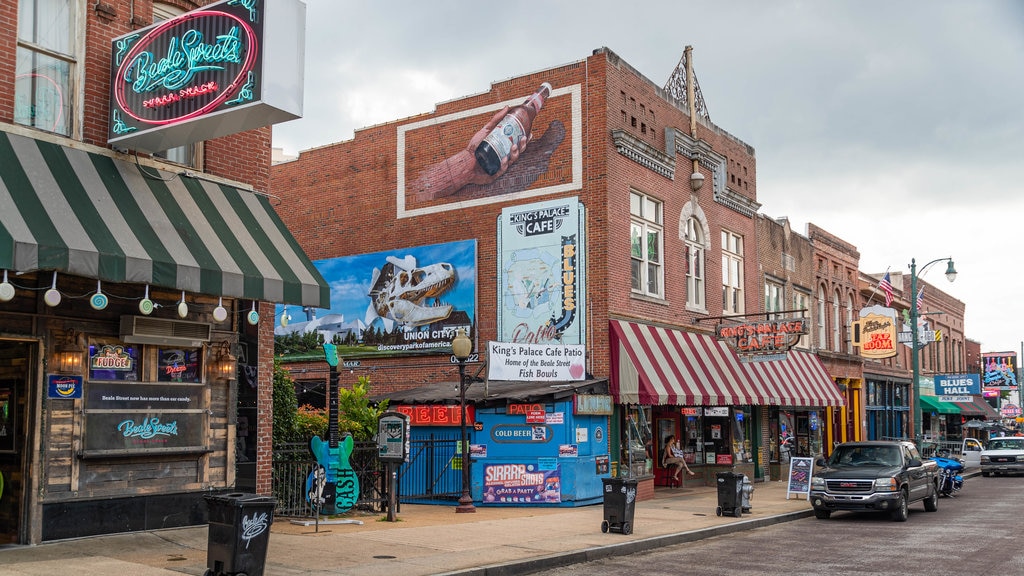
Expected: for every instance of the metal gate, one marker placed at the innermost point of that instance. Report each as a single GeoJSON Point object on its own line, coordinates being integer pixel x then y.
{"type": "Point", "coordinates": [433, 473]}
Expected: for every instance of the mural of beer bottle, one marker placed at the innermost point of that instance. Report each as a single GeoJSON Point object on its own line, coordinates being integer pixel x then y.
{"type": "Point", "coordinates": [498, 145]}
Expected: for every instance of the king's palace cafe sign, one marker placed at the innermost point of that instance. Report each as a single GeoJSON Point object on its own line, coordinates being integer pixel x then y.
{"type": "Point", "coordinates": [229, 67]}
{"type": "Point", "coordinates": [769, 337]}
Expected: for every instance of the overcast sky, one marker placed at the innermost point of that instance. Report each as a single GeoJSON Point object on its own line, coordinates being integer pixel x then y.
{"type": "Point", "coordinates": [896, 125]}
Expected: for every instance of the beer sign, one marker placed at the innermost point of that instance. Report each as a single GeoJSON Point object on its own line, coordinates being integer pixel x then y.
{"type": "Point", "coordinates": [875, 332]}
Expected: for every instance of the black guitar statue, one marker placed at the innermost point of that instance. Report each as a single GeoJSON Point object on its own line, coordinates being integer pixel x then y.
{"type": "Point", "coordinates": [332, 486]}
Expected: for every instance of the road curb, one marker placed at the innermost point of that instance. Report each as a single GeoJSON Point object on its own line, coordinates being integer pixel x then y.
{"type": "Point", "coordinates": [532, 565]}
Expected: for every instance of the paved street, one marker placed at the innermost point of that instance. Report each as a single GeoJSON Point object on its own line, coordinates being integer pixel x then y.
{"type": "Point", "coordinates": [975, 533]}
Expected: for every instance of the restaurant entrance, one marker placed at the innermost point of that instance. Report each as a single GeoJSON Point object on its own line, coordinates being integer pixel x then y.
{"type": "Point", "coordinates": [16, 361]}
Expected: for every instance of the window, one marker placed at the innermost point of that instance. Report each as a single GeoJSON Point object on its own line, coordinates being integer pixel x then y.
{"type": "Point", "coordinates": [45, 69]}
{"type": "Point", "coordinates": [732, 273]}
{"type": "Point", "coordinates": [645, 244]}
{"type": "Point", "coordinates": [822, 335]}
{"type": "Point", "coordinates": [801, 301]}
{"type": "Point", "coordinates": [188, 153]}
{"type": "Point", "coordinates": [773, 296]}
{"type": "Point", "coordinates": [849, 324]}
{"type": "Point", "coordinates": [694, 245]}
{"type": "Point", "coordinates": [837, 322]}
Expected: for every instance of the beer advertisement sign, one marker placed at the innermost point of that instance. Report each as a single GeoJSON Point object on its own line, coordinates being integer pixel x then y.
{"type": "Point", "coordinates": [875, 332]}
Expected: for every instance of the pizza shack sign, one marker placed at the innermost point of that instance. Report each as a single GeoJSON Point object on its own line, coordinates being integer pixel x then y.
{"type": "Point", "coordinates": [206, 74]}
{"type": "Point", "coordinates": [762, 337]}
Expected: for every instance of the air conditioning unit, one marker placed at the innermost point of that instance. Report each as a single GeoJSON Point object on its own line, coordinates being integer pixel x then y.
{"type": "Point", "coordinates": [145, 330]}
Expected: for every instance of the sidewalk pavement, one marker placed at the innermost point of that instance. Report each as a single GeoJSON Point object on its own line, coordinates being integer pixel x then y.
{"type": "Point", "coordinates": [494, 541]}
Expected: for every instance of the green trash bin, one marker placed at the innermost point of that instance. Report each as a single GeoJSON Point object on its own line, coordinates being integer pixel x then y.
{"type": "Point", "coordinates": [619, 504]}
{"type": "Point", "coordinates": [239, 526]}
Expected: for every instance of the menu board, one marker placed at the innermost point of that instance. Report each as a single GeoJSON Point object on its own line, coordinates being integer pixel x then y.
{"type": "Point", "coordinates": [800, 476]}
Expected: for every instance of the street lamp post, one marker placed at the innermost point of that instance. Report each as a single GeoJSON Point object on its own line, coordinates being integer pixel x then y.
{"type": "Point", "coordinates": [914, 355]}
{"type": "Point", "coordinates": [462, 347]}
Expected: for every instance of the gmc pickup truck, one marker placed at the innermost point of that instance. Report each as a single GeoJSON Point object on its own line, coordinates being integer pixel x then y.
{"type": "Point", "coordinates": [879, 476]}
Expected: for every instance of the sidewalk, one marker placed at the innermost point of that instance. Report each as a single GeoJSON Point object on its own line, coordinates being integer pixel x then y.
{"type": "Point", "coordinates": [425, 540]}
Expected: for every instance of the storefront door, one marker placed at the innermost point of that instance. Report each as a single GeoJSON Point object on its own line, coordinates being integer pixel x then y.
{"type": "Point", "coordinates": [16, 360]}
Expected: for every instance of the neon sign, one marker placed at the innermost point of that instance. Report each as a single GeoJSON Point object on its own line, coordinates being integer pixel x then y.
{"type": "Point", "coordinates": [185, 67]}
{"type": "Point", "coordinates": [201, 75]}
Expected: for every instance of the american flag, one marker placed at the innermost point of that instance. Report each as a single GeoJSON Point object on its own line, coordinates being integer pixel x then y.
{"type": "Point", "coordinates": [886, 287]}
{"type": "Point", "coordinates": [920, 298]}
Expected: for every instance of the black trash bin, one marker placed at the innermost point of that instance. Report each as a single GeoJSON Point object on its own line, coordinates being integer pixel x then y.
{"type": "Point", "coordinates": [730, 486]}
{"type": "Point", "coordinates": [239, 533]}
{"type": "Point", "coordinates": [619, 503]}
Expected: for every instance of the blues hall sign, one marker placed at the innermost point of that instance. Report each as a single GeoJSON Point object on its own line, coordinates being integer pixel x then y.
{"type": "Point", "coordinates": [198, 66]}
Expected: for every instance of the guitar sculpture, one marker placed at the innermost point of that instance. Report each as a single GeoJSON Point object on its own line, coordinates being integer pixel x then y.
{"type": "Point", "coordinates": [332, 487]}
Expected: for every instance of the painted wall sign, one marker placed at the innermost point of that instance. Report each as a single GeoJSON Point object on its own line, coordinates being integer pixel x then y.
{"type": "Point", "coordinates": [535, 362]}
{"type": "Point", "coordinates": [541, 275]}
{"type": "Point", "coordinates": [139, 396]}
{"type": "Point", "coordinates": [228, 67]}
{"type": "Point", "coordinates": [957, 384]}
{"type": "Point", "coordinates": [521, 433]}
{"type": "Point", "coordinates": [768, 337]}
{"type": "Point", "coordinates": [521, 484]}
{"type": "Point", "coordinates": [875, 332]}
{"type": "Point", "coordinates": [404, 302]}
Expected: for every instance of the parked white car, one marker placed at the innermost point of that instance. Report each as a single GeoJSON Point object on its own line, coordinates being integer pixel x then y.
{"type": "Point", "coordinates": [1003, 456]}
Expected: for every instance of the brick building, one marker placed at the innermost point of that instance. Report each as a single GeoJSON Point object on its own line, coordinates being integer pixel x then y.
{"type": "Point", "coordinates": [665, 202]}
{"type": "Point", "coordinates": [138, 283]}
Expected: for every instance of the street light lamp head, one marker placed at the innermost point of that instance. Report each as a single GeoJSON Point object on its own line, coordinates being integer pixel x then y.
{"type": "Point", "coordinates": [462, 346]}
{"type": "Point", "coordinates": [950, 271]}
{"type": "Point", "coordinates": [696, 181]}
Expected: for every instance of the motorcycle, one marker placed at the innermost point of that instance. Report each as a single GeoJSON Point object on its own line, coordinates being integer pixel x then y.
{"type": "Point", "coordinates": [950, 478]}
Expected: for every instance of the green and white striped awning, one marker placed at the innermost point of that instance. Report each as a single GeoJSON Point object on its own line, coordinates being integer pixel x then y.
{"type": "Point", "coordinates": [91, 215]}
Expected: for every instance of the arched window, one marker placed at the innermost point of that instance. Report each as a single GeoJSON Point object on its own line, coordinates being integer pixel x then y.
{"type": "Point", "coordinates": [849, 323]}
{"type": "Point", "coordinates": [837, 322]}
{"type": "Point", "coordinates": [694, 245]}
{"type": "Point", "coordinates": [822, 333]}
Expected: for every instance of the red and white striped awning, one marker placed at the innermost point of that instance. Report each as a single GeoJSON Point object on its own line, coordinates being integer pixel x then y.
{"type": "Point", "coordinates": [654, 365]}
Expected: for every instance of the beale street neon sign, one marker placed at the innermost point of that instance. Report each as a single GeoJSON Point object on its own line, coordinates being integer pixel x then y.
{"type": "Point", "coordinates": [191, 66]}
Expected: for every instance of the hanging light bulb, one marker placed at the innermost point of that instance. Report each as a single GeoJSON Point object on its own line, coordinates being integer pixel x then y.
{"type": "Point", "coordinates": [52, 297]}
{"type": "Point", "coordinates": [285, 317]}
{"type": "Point", "coordinates": [182, 307]}
{"type": "Point", "coordinates": [99, 300]}
{"type": "Point", "coordinates": [220, 314]}
{"type": "Point", "coordinates": [6, 289]}
{"type": "Point", "coordinates": [146, 305]}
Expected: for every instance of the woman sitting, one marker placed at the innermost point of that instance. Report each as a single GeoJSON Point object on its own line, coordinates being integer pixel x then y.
{"type": "Point", "coordinates": [674, 457]}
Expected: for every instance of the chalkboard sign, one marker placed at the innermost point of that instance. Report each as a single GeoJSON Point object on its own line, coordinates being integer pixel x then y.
{"type": "Point", "coordinates": [800, 476]}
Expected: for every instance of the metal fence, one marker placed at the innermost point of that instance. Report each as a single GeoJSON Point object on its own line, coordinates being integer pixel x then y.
{"type": "Point", "coordinates": [432, 475]}
{"type": "Point", "coordinates": [293, 462]}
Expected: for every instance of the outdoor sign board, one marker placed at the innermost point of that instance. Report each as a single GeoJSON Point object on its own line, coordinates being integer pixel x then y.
{"type": "Point", "coordinates": [957, 385]}
{"type": "Point", "coordinates": [762, 337]}
{"type": "Point", "coordinates": [224, 68]}
{"type": "Point", "coordinates": [999, 370]}
{"type": "Point", "coordinates": [799, 477]}
{"type": "Point", "coordinates": [535, 362]}
{"type": "Point", "coordinates": [875, 332]}
{"type": "Point", "coordinates": [393, 437]}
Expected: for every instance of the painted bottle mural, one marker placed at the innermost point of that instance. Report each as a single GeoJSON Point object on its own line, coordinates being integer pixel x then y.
{"type": "Point", "coordinates": [498, 145]}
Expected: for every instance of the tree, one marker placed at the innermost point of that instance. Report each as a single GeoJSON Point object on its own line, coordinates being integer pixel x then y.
{"type": "Point", "coordinates": [285, 405]}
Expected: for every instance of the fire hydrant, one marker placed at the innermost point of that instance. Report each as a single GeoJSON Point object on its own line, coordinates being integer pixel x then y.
{"type": "Point", "coordinates": [745, 493]}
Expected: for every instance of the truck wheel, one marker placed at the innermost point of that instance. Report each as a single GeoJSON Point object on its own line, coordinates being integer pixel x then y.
{"type": "Point", "coordinates": [822, 514]}
{"type": "Point", "coordinates": [901, 513]}
{"type": "Point", "coordinates": [931, 503]}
